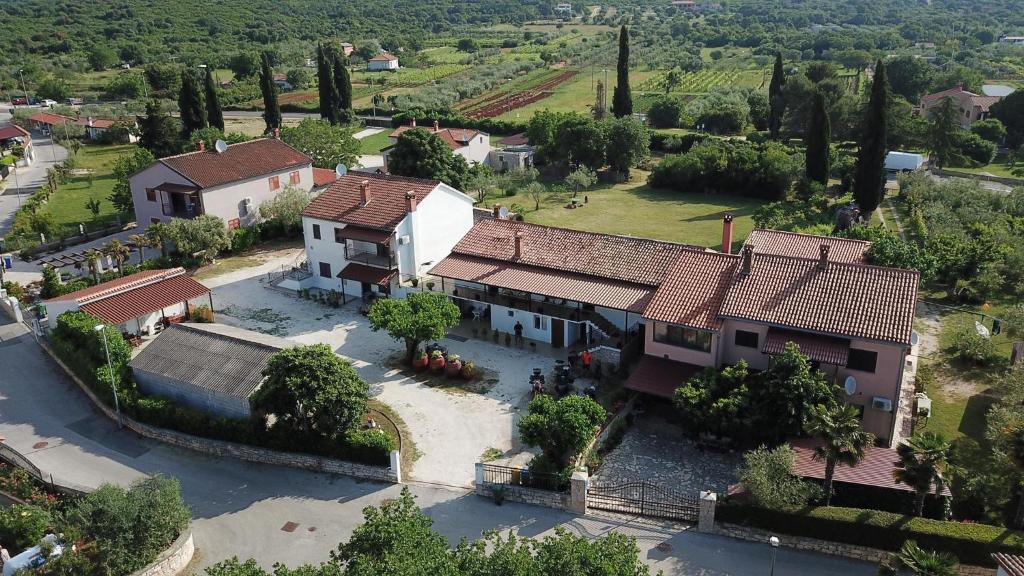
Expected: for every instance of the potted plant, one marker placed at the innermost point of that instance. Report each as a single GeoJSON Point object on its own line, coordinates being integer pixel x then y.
{"type": "Point", "coordinates": [430, 286]}
{"type": "Point", "coordinates": [468, 371]}
{"type": "Point", "coordinates": [305, 292]}
{"type": "Point", "coordinates": [453, 367]}
{"type": "Point", "coordinates": [437, 362]}
{"type": "Point", "coordinates": [415, 282]}
{"type": "Point", "coordinates": [420, 361]}
{"type": "Point", "coordinates": [498, 493]}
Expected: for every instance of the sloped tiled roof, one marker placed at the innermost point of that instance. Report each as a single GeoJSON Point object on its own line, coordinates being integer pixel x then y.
{"type": "Point", "coordinates": [835, 351]}
{"type": "Point", "coordinates": [240, 161]}
{"type": "Point", "coordinates": [875, 469]}
{"type": "Point", "coordinates": [341, 202]}
{"type": "Point", "coordinates": [13, 131]}
{"type": "Point", "coordinates": [660, 376]}
{"type": "Point", "coordinates": [383, 58]}
{"type": "Point", "coordinates": [806, 245]}
{"type": "Point", "coordinates": [622, 258]}
{"type": "Point", "coordinates": [50, 118]}
{"type": "Point", "coordinates": [850, 300]}
{"type": "Point", "coordinates": [367, 274]}
{"type": "Point", "coordinates": [119, 285]}
{"type": "Point", "coordinates": [323, 176]}
{"type": "Point", "coordinates": [984, 102]}
{"type": "Point", "coordinates": [1011, 564]}
{"type": "Point", "coordinates": [955, 90]}
{"type": "Point", "coordinates": [455, 138]}
{"type": "Point", "coordinates": [692, 293]}
{"type": "Point", "coordinates": [101, 123]}
{"type": "Point", "coordinates": [146, 299]}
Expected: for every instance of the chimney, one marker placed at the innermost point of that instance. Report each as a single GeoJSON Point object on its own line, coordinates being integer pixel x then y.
{"type": "Point", "coordinates": [437, 126]}
{"type": "Point", "coordinates": [277, 133]}
{"type": "Point", "coordinates": [89, 120]}
{"type": "Point", "coordinates": [364, 192]}
{"type": "Point", "coordinates": [823, 257]}
{"type": "Point", "coordinates": [410, 201]}
{"type": "Point", "coordinates": [727, 234]}
{"type": "Point", "coordinates": [201, 146]}
{"type": "Point", "coordinates": [497, 211]}
{"type": "Point", "coordinates": [413, 123]}
{"type": "Point", "coordinates": [519, 246]}
{"type": "Point", "coordinates": [748, 257]}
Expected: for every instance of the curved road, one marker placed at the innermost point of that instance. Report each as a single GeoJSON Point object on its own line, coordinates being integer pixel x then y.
{"type": "Point", "coordinates": [240, 508]}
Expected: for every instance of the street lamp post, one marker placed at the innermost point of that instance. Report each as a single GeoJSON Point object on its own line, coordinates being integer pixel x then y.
{"type": "Point", "coordinates": [24, 87]}
{"type": "Point", "coordinates": [774, 541]}
{"type": "Point", "coordinates": [110, 368]}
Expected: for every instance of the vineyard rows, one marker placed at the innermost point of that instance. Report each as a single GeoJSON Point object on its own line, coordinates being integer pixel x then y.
{"type": "Point", "coordinates": [693, 82]}
{"type": "Point", "coordinates": [495, 107]}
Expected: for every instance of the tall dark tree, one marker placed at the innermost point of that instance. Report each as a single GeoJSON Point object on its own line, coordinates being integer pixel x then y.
{"type": "Point", "coordinates": [622, 98]}
{"type": "Point", "coordinates": [190, 104]}
{"type": "Point", "coordinates": [325, 82]}
{"type": "Point", "coordinates": [158, 131]}
{"type": "Point", "coordinates": [214, 114]}
{"type": "Point", "coordinates": [869, 173]}
{"type": "Point", "coordinates": [942, 131]}
{"type": "Point", "coordinates": [344, 86]}
{"type": "Point", "coordinates": [819, 133]}
{"type": "Point", "coordinates": [271, 110]}
{"type": "Point", "coordinates": [776, 102]}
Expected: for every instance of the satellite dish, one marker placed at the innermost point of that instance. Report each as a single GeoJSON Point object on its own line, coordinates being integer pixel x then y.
{"type": "Point", "coordinates": [503, 213]}
{"type": "Point", "coordinates": [914, 338]}
{"type": "Point", "coordinates": [221, 146]}
{"type": "Point", "coordinates": [341, 170]}
{"type": "Point", "coordinates": [850, 385]}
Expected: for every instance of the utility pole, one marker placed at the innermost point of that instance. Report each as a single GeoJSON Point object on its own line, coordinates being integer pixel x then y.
{"type": "Point", "coordinates": [23, 86]}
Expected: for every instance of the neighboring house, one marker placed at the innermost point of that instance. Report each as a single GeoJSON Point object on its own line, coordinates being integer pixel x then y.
{"type": "Point", "coordinates": [1008, 564]}
{"type": "Point", "coordinates": [369, 233]}
{"type": "Point", "coordinates": [95, 128]}
{"type": "Point", "coordinates": [971, 107]}
{"type": "Point", "coordinates": [13, 135]}
{"type": "Point", "coordinates": [904, 162]}
{"type": "Point", "coordinates": [347, 48]}
{"type": "Point", "coordinates": [230, 184]}
{"type": "Point", "coordinates": [512, 158]}
{"type": "Point", "coordinates": [382, 62]}
{"type": "Point", "coordinates": [45, 122]}
{"type": "Point", "coordinates": [563, 9]}
{"type": "Point", "coordinates": [138, 303]}
{"type": "Point", "coordinates": [208, 367]}
{"type": "Point", "coordinates": [471, 144]}
{"type": "Point", "coordinates": [687, 5]}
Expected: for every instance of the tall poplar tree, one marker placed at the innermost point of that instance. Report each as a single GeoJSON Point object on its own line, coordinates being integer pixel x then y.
{"type": "Point", "coordinates": [622, 98]}
{"type": "Point", "coordinates": [271, 110]}
{"type": "Point", "coordinates": [776, 105]}
{"type": "Point", "coordinates": [344, 86]}
{"type": "Point", "coordinates": [325, 82]}
{"type": "Point", "coordinates": [190, 104]}
{"type": "Point", "coordinates": [869, 174]}
{"type": "Point", "coordinates": [819, 133]}
{"type": "Point", "coordinates": [214, 114]}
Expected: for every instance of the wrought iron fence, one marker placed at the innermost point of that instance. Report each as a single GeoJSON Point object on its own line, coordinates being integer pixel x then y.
{"type": "Point", "coordinates": [643, 498]}
{"type": "Point", "coordinates": [494, 474]}
{"type": "Point", "coordinates": [15, 458]}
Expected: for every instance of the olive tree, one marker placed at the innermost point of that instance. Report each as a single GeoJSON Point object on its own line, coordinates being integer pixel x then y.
{"type": "Point", "coordinates": [414, 319]}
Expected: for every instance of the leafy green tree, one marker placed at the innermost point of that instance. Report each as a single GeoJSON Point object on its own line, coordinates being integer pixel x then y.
{"type": "Point", "coordinates": [206, 234]}
{"type": "Point", "coordinates": [843, 440]}
{"type": "Point", "coordinates": [344, 82]}
{"type": "Point", "coordinates": [869, 176]}
{"type": "Point", "coordinates": [817, 140]}
{"type": "Point", "coordinates": [286, 208]}
{"type": "Point", "coordinates": [93, 205]}
{"type": "Point", "coordinates": [715, 401]}
{"type": "Point", "coordinates": [118, 251]}
{"type": "Point", "coordinates": [164, 78]}
{"type": "Point", "coordinates": [208, 136]}
{"type": "Point", "coordinates": [214, 114]}
{"type": "Point", "coordinates": [191, 107]}
{"type": "Point", "coordinates": [327, 145]}
{"type": "Point", "coordinates": [767, 475]}
{"type": "Point", "coordinates": [1010, 111]}
{"type": "Point", "coordinates": [542, 132]}
{"type": "Point", "coordinates": [720, 112]}
{"type": "Point", "coordinates": [820, 71]}
{"type": "Point", "coordinates": [923, 463]}
{"type": "Point", "coordinates": [158, 131]}
{"type": "Point", "coordinates": [101, 57]}
{"type": "Point", "coordinates": [990, 129]}
{"type": "Point", "coordinates": [913, 560]}
{"type": "Point", "coordinates": [141, 242]}
{"type": "Point", "coordinates": [159, 236]}
{"type": "Point", "coordinates": [244, 64]}
{"type": "Point", "coordinates": [126, 85]}
{"type": "Point", "coordinates": [53, 88]}
{"type": "Point", "coordinates": [561, 428]}
{"type": "Point", "coordinates": [628, 143]}
{"type": "Point", "coordinates": [673, 79]}
{"type": "Point", "coordinates": [329, 98]}
{"type": "Point", "coordinates": [776, 103]}
{"type": "Point", "coordinates": [892, 252]}
{"type": "Point", "coordinates": [310, 389]}
{"type": "Point", "coordinates": [421, 154]}
{"type": "Point", "coordinates": [944, 125]}
{"type": "Point", "coordinates": [622, 97]}
{"type": "Point", "coordinates": [969, 78]}
{"type": "Point", "coordinates": [665, 112]}
{"type": "Point", "coordinates": [580, 179]}
{"type": "Point", "coordinates": [271, 110]}
{"type": "Point", "coordinates": [760, 109]}
{"type": "Point", "coordinates": [581, 141]}
{"type": "Point", "coordinates": [299, 77]}
{"type": "Point", "coordinates": [414, 319]}
{"type": "Point", "coordinates": [468, 45]}
{"type": "Point", "coordinates": [786, 391]}
{"type": "Point", "coordinates": [910, 77]}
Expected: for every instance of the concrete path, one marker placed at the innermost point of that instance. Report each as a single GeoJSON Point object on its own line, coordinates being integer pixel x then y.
{"type": "Point", "coordinates": [28, 179]}
{"type": "Point", "coordinates": [240, 508]}
{"type": "Point", "coordinates": [366, 133]}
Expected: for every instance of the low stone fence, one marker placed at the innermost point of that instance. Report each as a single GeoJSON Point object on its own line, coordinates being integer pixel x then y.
{"type": "Point", "coordinates": [572, 500]}
{"type": "Point", "coordinates": [245, 452]}
{"type": "Point", "coordinates": [172, 561]}
{"type": "Point", "coordinates": [973, 176]}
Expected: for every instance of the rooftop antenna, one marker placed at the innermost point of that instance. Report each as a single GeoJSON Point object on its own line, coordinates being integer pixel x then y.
{"type": "Point", "coordinates": [220, 146]}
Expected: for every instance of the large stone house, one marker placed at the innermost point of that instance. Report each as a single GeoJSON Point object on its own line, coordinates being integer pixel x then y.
{"type": "Point", "coordinates": [970, 107]}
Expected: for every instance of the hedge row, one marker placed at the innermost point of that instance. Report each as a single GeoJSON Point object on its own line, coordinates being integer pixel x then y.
{"type": "Point", "coordinates": [455, 120]}
{"type": "Point", "coordinates": [971, 543]}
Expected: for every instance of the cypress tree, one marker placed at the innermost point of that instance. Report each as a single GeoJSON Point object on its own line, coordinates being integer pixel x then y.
{"type": "Point", "coordinates": [158, 132]}
{"type": "Point", "coordinates": [325, 83]}
{"type": "Point", "coordinates": [776, 105]}
{"type": "Point", "coordinates": [819, 133]}
{"type": "Point", "coordinates": [213, 111]}
{"type": "Point", "coordinates": [271, 111]}
{"type": "Point", "coordinates": [344, 86]}
{"type": "Point", "coordinates": [869, 173]}
{"type": "Point", "coordinates": [622, 98]}
{"type": "Point", "coordinates": [190, 104]}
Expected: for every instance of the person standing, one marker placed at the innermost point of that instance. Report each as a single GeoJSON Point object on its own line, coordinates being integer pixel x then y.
{"type": "Point", "coordinates": [519, 333]}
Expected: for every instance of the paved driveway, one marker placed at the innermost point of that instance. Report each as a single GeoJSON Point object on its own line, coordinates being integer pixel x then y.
{"type": "Point", "coordinates": [30, 178]}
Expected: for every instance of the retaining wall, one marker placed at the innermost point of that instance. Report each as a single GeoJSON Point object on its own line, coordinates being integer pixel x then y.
{"type": "Point", "coordinates": [172, 561]}
{"type": "Point", "coordinates": [547, 498]}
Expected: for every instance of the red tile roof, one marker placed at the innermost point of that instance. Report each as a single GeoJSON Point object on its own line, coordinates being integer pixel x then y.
{"type": "Point", "coordinates": [1012, 565]}
{"type": "Point", "coordinates": [147, 299]}
{"type": "Point", "coordinates": [874, 470]}
{"type": "Point", "coordinates": [239, 162]}
{"type": "Point", "coordinates": [455, 138]}
{"type": "Point", "coordinates": [341, 201]}
{"type": "Point", "coordinates": [835, 351]}
{"type": "Point", "coordinates": [981, 101]}
{"type": "Point", "coordinates": [50, 118]}
{"type": "Point", "coordinates": [119, 285]}
{"type": "Point", "coordinates": [984, 102]}
{"type": "Point", "coordinates": [367, 274]}
{"type": "Point", "coordinates": [383, 57]}
{"type": "Point", "coordinates": [692, 292]}
{"type": "Point", "coordinates": [806, 245]}
{"type": "Point", "coordinates": [13, 131]}
{"type": "Point", "coordinates": [850, 300]}
{"type": "Point", "coordinates": [101, 123]}
{"type": "Point", "coordinates": [555, 284]}
{"type": "Point", "coordinates": [515, 140]}
{"type": "Point", "coordinates": [622, 258]}
{"type": "Point", "coordinates": [323, 176]}
{"type": "Point", "coordinates": [928, 98]}
{"type": "Point", "coordinates": [660, 376]}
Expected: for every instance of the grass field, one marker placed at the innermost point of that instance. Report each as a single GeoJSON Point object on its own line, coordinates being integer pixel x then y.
{"type": "Point", "coordinates": [998, 167]}
{"type": "Point", "coordinates": [578, 95]}
{"type": "Point", "coordinates": [635, 209]}
{"type": "Point", "coordinates": [374, 144]}
{"type": "Point", "coordinates": [67, 204]}
{"type": "Point", "coordinates": [252, 126]}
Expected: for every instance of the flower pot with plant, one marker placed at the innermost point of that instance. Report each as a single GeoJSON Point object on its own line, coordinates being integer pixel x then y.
{"type": "Point", "coordinates": [437, 362]}
{"type": "Point", "coordinates": [468, 371]}
{"type": "Point", "coordinates": [305, 293]}
{"type": "Point", "coordinates": [430, 285]}
{"type": "Point", "coordinates": [453, 367]}
{"type": "Point", "coordinates": [415, 282]}
{"type": "Point", "coordinates": [420, 361]}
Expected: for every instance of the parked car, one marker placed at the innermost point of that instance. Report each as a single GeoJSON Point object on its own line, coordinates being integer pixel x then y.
{"type": "Point", "coordinates": [49, 103]}
{"type": "Point", "coordinates": [75, 101]}
{"type": "Point", "coordinates": [19, 101]}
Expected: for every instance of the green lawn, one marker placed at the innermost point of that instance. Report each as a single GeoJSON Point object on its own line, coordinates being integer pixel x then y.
{"type": "Point", "coordinates": [67, 204]}
{"type": "Point", "coordinates": [578, 95]}
{"type": "Point", "coordinates": [374, 144]}
{"type": "Point", "coordinates": [998, 167]}
{"type": "Point", "coordinates": [635, 209]}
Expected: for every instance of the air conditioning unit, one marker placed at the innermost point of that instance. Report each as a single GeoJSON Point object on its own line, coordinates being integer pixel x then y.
{"type": "Point", "coordinates": [403, 240]}
{"type": "Point", "coordinates": [883, 404]}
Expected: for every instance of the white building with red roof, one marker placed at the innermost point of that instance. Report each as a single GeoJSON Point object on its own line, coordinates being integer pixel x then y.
{"type": "Point", "coordinates": [971, 107]}
{"type": "Point", "coordinates": [372, 233]}
{"type": "Point", "coordinates": [382, 62]}
{"type": "Point", "coordinates": [13, 135]}
{"type": "Point", "coordinates": [471, 144]}
{"type": "Point", "coordinates": [230, 184]}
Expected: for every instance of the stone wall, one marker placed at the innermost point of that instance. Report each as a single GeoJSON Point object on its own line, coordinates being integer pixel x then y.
{"type": "Point", "coordinates": [172, 561]}
{"type": "Point", "coordinates": [547, 498]}
{"type": "Point", "coordinates": [232, 449]}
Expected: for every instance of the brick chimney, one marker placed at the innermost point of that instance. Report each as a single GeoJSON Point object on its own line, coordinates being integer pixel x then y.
{"type": "Point", "coordinates": [413, 123]}
{"type": "Point", "coordinates": [823, 257]}
{"type": "Point", "coordinates": [364, 192]}
{"type": "Point", "coordinates": [201, 146]}
{"type": "Point", "coordinates": [410, 201]}
{"type": "Point", "coordinates": [519, 246]}
{"type": "Point", "coordinates": [437, 126]}
{"type": "Point", "coordinates": [497, 211]}
{"type": "Point", "coordinates": [727, 234]}
{"type": "Point", "coordinates": [748, 257]}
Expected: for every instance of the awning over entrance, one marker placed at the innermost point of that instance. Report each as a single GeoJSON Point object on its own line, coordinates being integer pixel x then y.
{"type": "Point", "coordinates": [364, 234]}
{"type": "Point", "coordinates": [822, 349]}
{"type": "Point", "coordinates": [176, 188]}
{"type": "Point", "coordinates": [367, 274]}
{"type": "Point", "coordinates": [660, 376]}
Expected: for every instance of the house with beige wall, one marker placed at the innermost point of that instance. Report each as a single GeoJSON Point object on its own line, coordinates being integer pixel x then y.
{"type": "Point", "coordinates": [471, 144]}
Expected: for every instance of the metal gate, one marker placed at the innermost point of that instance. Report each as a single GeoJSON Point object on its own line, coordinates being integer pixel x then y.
{"type": "Point", "coordinates": [643, 498]}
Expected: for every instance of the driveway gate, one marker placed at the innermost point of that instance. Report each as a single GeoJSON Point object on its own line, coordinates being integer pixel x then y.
{"type": "Point", "coordinates": [644, 498]}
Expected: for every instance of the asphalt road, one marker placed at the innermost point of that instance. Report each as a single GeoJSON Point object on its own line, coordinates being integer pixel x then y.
{"type": "Point", "coordinates": [28, 179]}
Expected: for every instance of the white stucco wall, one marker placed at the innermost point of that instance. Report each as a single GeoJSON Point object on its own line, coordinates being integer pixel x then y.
{"type": "Point", "coordinates": [226, 201]}
{"type": "Point", "coordinates": [439, 222]}
{"type": "Point", "coordinates": [150, 177]}
{"type": "Point", "coordinates": [478, 149]}
{"type": "Point", "coordinates": [382, 65]}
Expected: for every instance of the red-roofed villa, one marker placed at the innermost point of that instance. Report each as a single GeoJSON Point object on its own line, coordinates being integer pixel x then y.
{"type": "Point", "coordinates": [970, 106]}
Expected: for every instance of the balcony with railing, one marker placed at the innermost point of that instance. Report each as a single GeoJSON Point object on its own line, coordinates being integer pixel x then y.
{"type": "Point", "coordinates": [372, 258]}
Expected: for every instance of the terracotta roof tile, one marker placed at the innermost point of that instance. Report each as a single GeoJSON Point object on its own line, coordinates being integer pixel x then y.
{"type": "Point", "coordinates": [806, 245]}
{"type": "Point", "coordinates": [660, 376]}
{"type": "Point", "coordinates": [101, 123]}
{"type": "Point", "coordinates": [1011, 564]}
{"type": "Point", "coordinates": [13, 131]}
{"type": "Point", "coordinates": [383, 58]}
{"type": "Point", "coordinates": [835, 351]}
{"type": "Point", "coordinates": [620, 258]}
{"type": "Point", "coordinates": [455, 138]}
{"type": "Point", "coordinates": [341, 201]}
{"type": "Point", "coordinates": [367, 274]}
{"type": "Point", "coordinates": [692, 293]}
{"type": "Point", "coordinates": [323, 176]}
{"type": "Point", "coordinates": [149, 298]}
{"type": "Point", "coordinates": [119, 285]}
{"type": "Point", "coordinates": [50, 118]}
{"type": "Point", "coordinates": [239, 162]}
{"type": "Point", "coordinates": [875, 469]}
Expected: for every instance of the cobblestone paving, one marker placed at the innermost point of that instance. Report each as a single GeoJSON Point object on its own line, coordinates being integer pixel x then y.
{"type": "Point", "coordinates": [655, 450]}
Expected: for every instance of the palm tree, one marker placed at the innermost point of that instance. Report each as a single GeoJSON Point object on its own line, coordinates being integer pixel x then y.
{"type": "Point", "coordinates": [156, 235]}
{"type": "Point", "coordinates": [119, 252]}
{"type": "Point", "coordinates": [93, 258]}
{"type": "Point", "coordinates": [911, 559]}
{"type": "Point", "coordinates": [843, 440]}
{"type": "Point", "coordinates": [923, 460]}
{"type": "Point", "coordinates": [140, 242]}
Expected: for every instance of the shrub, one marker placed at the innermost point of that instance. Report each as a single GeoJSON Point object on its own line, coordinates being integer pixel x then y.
{"type": "Point", "coordinates": [716, 166]}
{"type": "Point", "coordinates": [369, 446]}
{"type": "Point", "coordinates": [243, 238]}
{"type": "Point", "coordinates": [22, 525]}
{"type": "Point", "coordinates": [971, 347]}
{"type": "Point", "coordinates": [768, 476]}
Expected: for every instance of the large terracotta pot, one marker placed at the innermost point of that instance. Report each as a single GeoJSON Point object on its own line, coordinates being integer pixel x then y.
{"type": "Point", "coordinates": [420, 362]}
{"type": "Point", "coordinates": [437, 364]}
